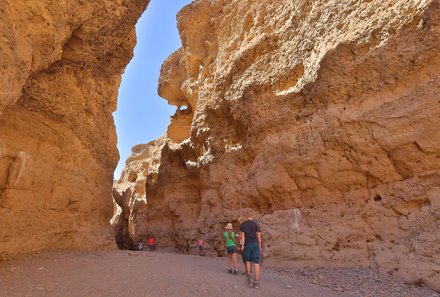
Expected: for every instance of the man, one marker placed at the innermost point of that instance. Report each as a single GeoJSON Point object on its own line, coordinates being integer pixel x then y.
{"type": "Point", "coordinates": [251, 247]}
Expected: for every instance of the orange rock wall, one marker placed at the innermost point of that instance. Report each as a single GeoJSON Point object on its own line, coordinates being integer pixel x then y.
{"type": "Point", "coordinates": [321, 116]}
{"type": "Point", "coordinates": [60, 67]}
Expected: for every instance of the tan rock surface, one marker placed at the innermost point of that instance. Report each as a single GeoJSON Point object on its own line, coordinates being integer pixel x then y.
{"type": "Point", "coordinates": [60, 67]}
{"type": "Point", "coordinates": [322, 116]}
{"type": "Point", "coordinates": [129, 198]}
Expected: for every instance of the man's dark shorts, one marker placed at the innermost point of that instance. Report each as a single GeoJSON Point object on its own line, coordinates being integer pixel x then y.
{"type": "Point", "coordinates": [251, 252]}
{"type": "Point", "coordinates": [232, 249]}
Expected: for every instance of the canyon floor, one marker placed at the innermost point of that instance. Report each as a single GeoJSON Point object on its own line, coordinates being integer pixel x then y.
{"type": "Point", "coordinates": [160, 273]}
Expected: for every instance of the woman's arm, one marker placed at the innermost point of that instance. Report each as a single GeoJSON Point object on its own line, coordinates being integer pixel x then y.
{"type": "Point", "coordinates": [237, 239]}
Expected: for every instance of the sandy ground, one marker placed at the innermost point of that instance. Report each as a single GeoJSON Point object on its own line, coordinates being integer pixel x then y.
{"type": "Point", "coordinates": [137, 274]}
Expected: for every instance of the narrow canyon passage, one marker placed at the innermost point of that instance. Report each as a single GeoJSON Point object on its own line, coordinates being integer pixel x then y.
{"type": "Point", "coordinates": [320, 118]}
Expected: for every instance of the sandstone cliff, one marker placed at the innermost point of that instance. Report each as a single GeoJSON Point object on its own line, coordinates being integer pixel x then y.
{"type": "Point", "coordinates": [60, 67]}
{"type": "Point", "coordinates": [321, 116]}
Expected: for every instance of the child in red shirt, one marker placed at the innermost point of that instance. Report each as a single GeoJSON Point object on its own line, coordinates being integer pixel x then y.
{"type": "Point", "coordinates": [151, 243]}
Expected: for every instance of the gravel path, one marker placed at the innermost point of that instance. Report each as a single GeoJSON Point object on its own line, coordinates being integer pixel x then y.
{"type": "Point", "coordinates": [137, 274]}
{"type": "Point", "coordinates": [359, 282]}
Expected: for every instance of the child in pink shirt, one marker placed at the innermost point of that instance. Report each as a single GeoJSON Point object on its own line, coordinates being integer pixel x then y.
{"type": "Point", "coordinates": [201, 244]}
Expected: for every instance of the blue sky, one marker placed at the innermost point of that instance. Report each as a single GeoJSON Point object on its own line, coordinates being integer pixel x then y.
{"type": "Point", "coordinates": [142, 115]}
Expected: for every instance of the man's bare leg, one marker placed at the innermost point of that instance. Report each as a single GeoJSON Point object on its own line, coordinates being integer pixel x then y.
{"type": "Point", "coordinates": [249, 275]}
{"type": "Point", "coordinates": [248, 268]}
{"type": "Point", "coordinates": [257, 271]}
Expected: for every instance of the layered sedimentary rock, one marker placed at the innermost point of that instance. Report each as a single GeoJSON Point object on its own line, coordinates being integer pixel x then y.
{"type": "Point", "coordinates": [60, 67]}
{"type": "Point", "coordinates": [321, 116]}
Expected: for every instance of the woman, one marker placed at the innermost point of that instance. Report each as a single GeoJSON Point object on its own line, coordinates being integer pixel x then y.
{"type": "Point", "coordinates": [231, 247]}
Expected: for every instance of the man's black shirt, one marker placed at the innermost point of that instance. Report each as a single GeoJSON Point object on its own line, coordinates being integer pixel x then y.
{"type": "Point", "coordinates": [250, 229]}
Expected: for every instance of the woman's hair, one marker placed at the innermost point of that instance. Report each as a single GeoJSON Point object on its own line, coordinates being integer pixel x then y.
{"type": "Point", "coordinates": [229, 233]}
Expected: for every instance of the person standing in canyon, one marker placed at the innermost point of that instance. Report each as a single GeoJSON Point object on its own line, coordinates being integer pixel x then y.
{"type": "Point", "coordinates": [140, 245]}
{"type": "Point", "coordinates": [231, 248]}
{"type": "Point", "coordinates": [152, 242]}
{"type": "Point", "coordinates": [251, 246]}
{"type": "Point", "coordinates": [201, 244]}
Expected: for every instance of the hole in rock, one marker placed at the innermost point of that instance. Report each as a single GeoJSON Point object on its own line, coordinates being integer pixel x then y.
{"type": "Point", "coordinates": [184, 109]}
{"type": "Point", "coordinates": [377, 198]}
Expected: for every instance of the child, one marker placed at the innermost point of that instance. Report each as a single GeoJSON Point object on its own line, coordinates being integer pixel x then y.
{"type": "Point", "coordinates": [151, 243]}
{"type": "Point", "coordinates": [238, 242]}
{"type": "Point", "coordinates": [201, 244]}
{"type": "Point", "coordinates": [231, 247]}
{"type": "Point", "coordinates": [140, 246]}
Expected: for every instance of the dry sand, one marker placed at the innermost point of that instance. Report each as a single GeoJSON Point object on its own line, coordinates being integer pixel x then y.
{"type": "Point", "coordinates": [136, 274]}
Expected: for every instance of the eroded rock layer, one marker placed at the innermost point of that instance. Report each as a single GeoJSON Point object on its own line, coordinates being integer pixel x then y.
{"type": "Point", "coordinates": [321, 116]}
{"type": "Point", "coordinates": [60, 67]}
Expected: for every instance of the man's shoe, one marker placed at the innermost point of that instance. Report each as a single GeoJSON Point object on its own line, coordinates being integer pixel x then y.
{"type": "Point", "coordinates": [230, 270]}
{"type": "Point", "coordinates": [256, 284]}
{"type": "Point", "coordinates": [235, 271]}
{"type": "Point", "coordinates": [250, 281]}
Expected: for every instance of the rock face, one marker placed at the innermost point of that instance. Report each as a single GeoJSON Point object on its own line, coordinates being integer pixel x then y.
{"type": "Point", "coordinates": [321, 116]}
{"type": "Point", "coordinates": [60, 67]}
{"type": "Point", "coordinates": [129, 198]}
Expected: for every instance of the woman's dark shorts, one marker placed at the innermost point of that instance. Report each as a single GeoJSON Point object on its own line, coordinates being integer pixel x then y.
{"type": "Point", "coordinates": [232, 249]}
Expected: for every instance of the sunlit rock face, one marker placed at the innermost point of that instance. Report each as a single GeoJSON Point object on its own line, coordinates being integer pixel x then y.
{"type": "Point", "coordinates": [321, 116]}
{"type": "Point", "coordinates": [60, 68]}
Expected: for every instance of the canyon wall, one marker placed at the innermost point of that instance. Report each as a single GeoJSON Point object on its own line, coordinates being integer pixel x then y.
{"type": "Point", "coordinates": [60, 68]}
{"type": "Point", "coordinates": [323, 117]}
